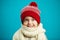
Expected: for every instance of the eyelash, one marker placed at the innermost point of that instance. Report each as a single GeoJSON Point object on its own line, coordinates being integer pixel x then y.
{"type": "Point", "coordinates": [32, 19]}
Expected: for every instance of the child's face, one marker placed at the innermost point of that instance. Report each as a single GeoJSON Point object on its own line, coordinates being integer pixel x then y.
{"type": "Point", "coordinates": [30, 22]}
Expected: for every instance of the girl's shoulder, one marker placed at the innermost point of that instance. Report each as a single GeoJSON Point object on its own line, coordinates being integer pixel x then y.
{"type": "Point", "coordinates": [17, 34]}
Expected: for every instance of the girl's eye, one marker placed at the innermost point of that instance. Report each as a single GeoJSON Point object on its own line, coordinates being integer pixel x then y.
{"type": "Point", "coordinates": [26, 20]}
{"type": "Point", "coordinates": [33, 19]}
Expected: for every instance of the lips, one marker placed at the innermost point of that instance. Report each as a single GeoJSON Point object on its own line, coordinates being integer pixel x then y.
{"type": "Point", "coordinates": [29, 26]}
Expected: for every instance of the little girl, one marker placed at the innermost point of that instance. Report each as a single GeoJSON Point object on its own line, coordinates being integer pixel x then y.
{"type": "Point", "coordinates": [32, 28]}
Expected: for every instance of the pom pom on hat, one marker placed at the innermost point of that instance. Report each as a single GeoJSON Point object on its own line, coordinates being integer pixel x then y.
{"type": "Point", "coordinates": [33, 4]}
{"type": "Point", "coordinates": [31, 10]}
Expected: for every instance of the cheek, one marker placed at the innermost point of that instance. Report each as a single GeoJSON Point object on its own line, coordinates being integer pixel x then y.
{"type": "Point", "coordinates": [25, 23]}
{"type": "Point", "coordinates": [35, 23]}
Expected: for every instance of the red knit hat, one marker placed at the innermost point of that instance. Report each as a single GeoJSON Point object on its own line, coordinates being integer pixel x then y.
{"type": "Point", "coordinates": [31, 10]}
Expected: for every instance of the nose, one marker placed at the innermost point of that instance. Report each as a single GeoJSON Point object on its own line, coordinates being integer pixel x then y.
{"type": "Point", "coordinates": [29, 23]}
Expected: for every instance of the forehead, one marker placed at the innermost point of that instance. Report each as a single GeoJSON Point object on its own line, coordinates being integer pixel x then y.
{"type": "Point", "coordinates": [29, 17]}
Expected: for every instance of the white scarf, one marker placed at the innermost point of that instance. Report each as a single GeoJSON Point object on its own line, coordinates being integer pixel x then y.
{"type": "Point", "coordinates": [31, 32]}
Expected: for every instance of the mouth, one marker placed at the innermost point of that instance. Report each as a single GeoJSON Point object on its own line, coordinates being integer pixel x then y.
{"type": "Point", "coordinates": [29, 26]}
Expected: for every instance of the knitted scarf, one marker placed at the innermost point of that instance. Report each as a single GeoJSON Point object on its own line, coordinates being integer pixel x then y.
{"type": "Point", "coordinates": [31, 32]}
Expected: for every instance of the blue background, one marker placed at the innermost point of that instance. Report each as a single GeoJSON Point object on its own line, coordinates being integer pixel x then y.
{"type": "Point", "coordinates": [10, 20]}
